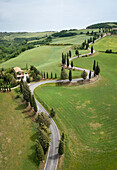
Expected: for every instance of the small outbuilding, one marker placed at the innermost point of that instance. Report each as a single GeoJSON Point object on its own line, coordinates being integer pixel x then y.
{"type": "Point", "coordinates": [18, 72]}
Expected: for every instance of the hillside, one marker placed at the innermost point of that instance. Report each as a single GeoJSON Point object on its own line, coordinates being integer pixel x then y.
{"type": "Point", "coordinates": [103, 25]}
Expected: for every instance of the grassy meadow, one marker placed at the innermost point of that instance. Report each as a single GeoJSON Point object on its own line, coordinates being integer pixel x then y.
{"type": "Point", "coordinates": [17, 135]}
{"type": "Point", "coordinates": [108, 42]}
{"type": "Point", "coordinates": [88, 116]}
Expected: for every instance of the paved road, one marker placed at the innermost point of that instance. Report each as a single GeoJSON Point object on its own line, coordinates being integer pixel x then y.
{"type": "Point", "coordinates": [52, 159]}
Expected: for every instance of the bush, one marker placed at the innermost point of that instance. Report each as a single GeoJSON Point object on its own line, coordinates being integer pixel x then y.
{"type": "Point", "coordinates": [52, 112]}
{"type": "Point", "coordinates": [84, 74]}
{"type": "Point", "coordinates": [63, 74]}
{"type": "Point", "coordinates": [61, 148]}
{"type": "Point", "coordinates": [39, 151]}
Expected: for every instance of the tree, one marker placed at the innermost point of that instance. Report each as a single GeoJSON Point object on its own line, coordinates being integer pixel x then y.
{"type": "Point", "coordinates": [28, 79]}
{"type": "Point", "coordinates": [90, 75]}
{"type": "Point", "coordinates": [44, 119]}
{"type": "Point", "coordinates": [39, 151]}
{"type": "Point", "coordinates": [77, 53]}
{"type": "Point", "coordinates": [69, 53]}
{"type": "Point", "coordinates": [97, 69]}
{"type": "Point", "coordinates": [34, 104]}
{"type": "Point", "coordinates": [47, 75]}
{"type": "Point", "coordinates": [51, 75]}
{"type": "Point", "coordinates": [62, 137]}
{"type": "Point", "coordinates": [67, 62]}
{"type": "Point", "coordinates": [91, 49]}
{"type": "Point", "coordinates": [44, 75]}
{"type": "Point", "coordinates": [70, 75]}
{"type": "Point", "coordinates": [21, 88]}
{"type": "Point", "coordinates": [63, 74]}
{"type": "Point", "coordinates": [84, 74]}
{"type": "Point", "coordinates": [26, 91]}
{"type": "Point", "coordinates": [87, 46]}
{"type": "Point", "coordinates": [63, 58]}
{"type": "Point", "coordinates": [61, 148]}
{"type": "Point", "coordinates": [52, 112]}
{"type": "Point", "coordinates": [94, 66]}
{"type": "Point", "coordinates": [55, 75]}
{"type": "Point", "coordinates": [71, 63]}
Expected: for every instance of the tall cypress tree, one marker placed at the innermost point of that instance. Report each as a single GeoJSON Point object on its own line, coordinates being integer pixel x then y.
{"type": "Point", "coordinates": [94, 66]}
{"type": "Point", "coordinates": [90, 74]}
{"type": "Point", "coordinates": [97, 69]}
{"type": "Point", "coordinates": [69, 53]}
{"type": "Point", "coordinates": [44, 75]}
{"type": "Point", "coordinates": [34, 104]}
{"type": "Point", "coordinates": [72, 64]}
{"type": "Point", "coordinates": [55, 75]}
{"type": "Point", "coordinates": [67, 62]}
{"type": "Point", "coordinates": [39, 151]}
{"type": "Point", "coordinates": [47, 75]}
{"type": "Point", "coordinates": [91, 49]}
{"type": "Point", "coordinates": [51, 75]}
{"type": "Point", "coordinates": [77, 53]}
{"type": "Point", "coordinates": [70, 75]}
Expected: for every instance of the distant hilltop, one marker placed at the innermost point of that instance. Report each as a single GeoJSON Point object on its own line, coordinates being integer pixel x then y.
{"type": "Point", "coordinates": [103, 25]}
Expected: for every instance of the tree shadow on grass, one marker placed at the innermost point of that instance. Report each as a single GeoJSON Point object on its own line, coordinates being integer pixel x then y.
{"type": "Point", "coordinates": [21, 107]}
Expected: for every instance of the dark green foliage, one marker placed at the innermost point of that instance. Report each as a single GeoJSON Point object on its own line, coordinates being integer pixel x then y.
{"type": "Point", "coordinates": [26, 92]}
{"type": "Point", "coordinates": [103, 25]}
{"type": "Point", "coordinates": [64, 33]}
{"type": "Point", "coordinates": [55, 75]}
{"type": "Point", "coordinates": [108, 51]}
{"type": "Point", "coordinates": [94, 66]}
{"type": "Point", "coordinates": [47, 75]}
{"type": "Point", "coordinates": [72, 64]}
{"type": "Point", "coordinates": [77, 53]}
{"type": "Point", "coordinates": [43, 118]}
{"type": "Point", "coordinates": [52, 112]}
{"type": "Point", "coordinates": [70, 75]}
{"type": "Point", "coordinates": [62, 137]}
{"type": "Point", "coordinates": [21, 87]}
{"type": "Point", "coordinates": [84, 74]}
{"type": "Point", "coordinates": [87, 46]}
{"type": "Point", "coordinates": [44, 140]}
{"type": "Point", "coordinates": [63, 58]}
{"type": "Point", "coordinates": [61, 148]}
{"type": "Point", "coordinates": [69, 53]}
{"type": "Point", "coordinates": [39, 151]}
{"type": "Point", "coordinates": [90, 74]}
{"type": "Point", "coordinates": [30, 99]}
{"type": "Point", "coordinates": [97, 69]}
{"type": "Point", "coordinates": [36, 74]}
{"type": "Point", "coordinates": [44, 75]}
{"type": "Point", "coordinates": [28, 79]}
{"type": "Point", "coordinates": [34, 104]}
{"type": "Point", "coordinates": [63, 74]}
{"type": "Point", "coordinates": [67, 62]}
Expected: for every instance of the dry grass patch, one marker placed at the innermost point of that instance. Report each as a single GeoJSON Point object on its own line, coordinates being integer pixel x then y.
{"type": "Point", "coordinates": [95, 126]}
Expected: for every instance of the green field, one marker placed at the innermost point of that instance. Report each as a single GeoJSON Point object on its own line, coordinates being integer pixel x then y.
{"type": "Point", "coordinates": [45, 58]}
{"type": "Point", "coordinates": [78, 39]}
{"type": "Point", "coordinates": [109, 42]}
{"type": "Point", "coordinates": [17, 135]}
{"type": "Point", "coordinates": [88, 116]}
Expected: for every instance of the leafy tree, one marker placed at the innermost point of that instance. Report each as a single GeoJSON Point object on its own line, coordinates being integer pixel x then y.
{"type": "Point", "coordinates": [90, 74]}
{"type": "Point", "coordinates": [71, 63]}
{"type": "Point", "coordinates": [91, 49]}
{"type": "Point", "coordinates": [63, 74]}
{"type": "Point", "coordinates": [52, 112]}
{"type": "Point", "coordinates": [94, 66]}
{"type": "Point", "coordinates": [70, 75]}
{"type": "Point", "coordinates": [39, 151]}
{"type": "Point", "coordinates": [67, 62]}
{"type": "Point", "coordinates": [84, 74]}
{"type": "Point", "coordinates": [61, 148]}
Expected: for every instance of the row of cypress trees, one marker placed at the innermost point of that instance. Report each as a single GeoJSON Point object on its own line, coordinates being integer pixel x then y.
{"type": "Point", "coordinates": [46, 75]}
{"type": "Point", "coordinates": [96, 68]}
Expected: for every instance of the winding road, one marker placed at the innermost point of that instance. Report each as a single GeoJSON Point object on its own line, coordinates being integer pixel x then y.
{"type": "Point", "coordinates": [52, 159]}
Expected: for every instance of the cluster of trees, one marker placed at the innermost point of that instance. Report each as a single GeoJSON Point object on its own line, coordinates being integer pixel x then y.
{"type": "Point", "coordinates": [64, 56]}
{"type": "Point", "coordinates": [35, 74]}
{"type": "Point", "coordinates": [84, 74]}
{"type": "Point", "coordinates": [108, 51]}
{"type": "Point", "coordinates": [103, 25]}
{"type": "Point", "coordinates": [96, 68]}
{"type": "Point", "coordinates": [46, 75]}
{"type": "Point", "coordinates": [7, 78]}
{"type": "Point", "coordinates": [12, 49]}
{"type": "Point", "coordinates": [63, 74]}
{"type": "Point", "coordinates": [27, 96]}
{"type": "Point", "coordinates": [43, 133]}
{"type": "Point", "coordinates": [61, 148]}
{"type": "Point", "coordinates": [64, 33]}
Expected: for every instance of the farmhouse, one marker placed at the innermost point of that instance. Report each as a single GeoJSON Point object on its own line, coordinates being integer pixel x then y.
{"type": "Point", "coordinates": [18, 72]}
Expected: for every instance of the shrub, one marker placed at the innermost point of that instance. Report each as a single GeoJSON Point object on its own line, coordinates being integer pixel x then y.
{"type": "Point", "coordinates": [52, 112]}
{"type": "Point", "coordinates": [84, 74]}
{"type": "Point", "coordinates": [39, 151]}
{"type": "Point", "coordinates": [61, 148]}
{"type": "Point", "coordinates": [63, 74]}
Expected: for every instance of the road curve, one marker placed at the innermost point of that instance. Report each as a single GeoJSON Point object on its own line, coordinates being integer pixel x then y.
{"type": "Point", "coordinates": [52, 159]}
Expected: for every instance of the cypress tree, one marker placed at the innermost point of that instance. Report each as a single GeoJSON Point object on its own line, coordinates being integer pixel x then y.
{"type": "Point", "coordinates": [52, 112]}
{"type": "Point", "coordinates": [67, 62]}
{"type": "Point", "coordinates": [77, 53]}
{"type": "Point", "coordinates": [61, 148]}
{"type": "Point", "coordinates": [47, 75]}
{"type": "Point", "coordinates": [39, 151]}
{"type": "Point", "coordinates": [94, 66]}
{"type": "Point", "coordinates": [51, 75]}
{"type": "Point", "coordinates": [71, 63]}
{"type": "Point", "coordinates": [44, 75]}
{"type": "Point", "coordinates": [87, 46]}
{"type": "Point", "coordinates": [55, 75]}
{"type": "Point", "coordinates": [62, 137]}
{"type": "Point", "coordinates": [91, 49]}
{"type": "Point", "coordinates": [97, 69]}
{"type": "Point", "coordinates": [90, 74]}
{"type": "Point", "coordinates": [34, 104]}
{"type": "Point", "coordinates": [69, 53]}
{"type": "Point", "coordinates": [70, 75]}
